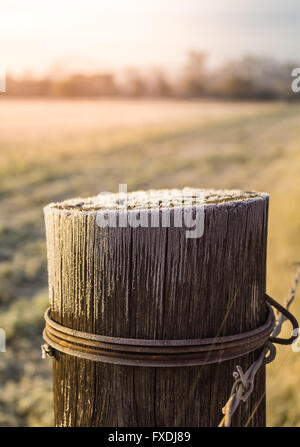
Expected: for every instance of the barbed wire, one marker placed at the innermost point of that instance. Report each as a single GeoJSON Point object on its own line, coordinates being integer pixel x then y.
{"type": "Point", "coordinates": [244, 381]}
{"type": "Point", "coordinates": [282, 318]}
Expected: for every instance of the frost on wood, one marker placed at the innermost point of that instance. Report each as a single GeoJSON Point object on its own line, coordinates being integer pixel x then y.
{"type": "Point", "coordinates": [156, 197]}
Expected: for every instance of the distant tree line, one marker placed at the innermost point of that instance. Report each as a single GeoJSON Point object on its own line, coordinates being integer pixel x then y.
{"type": "Point", "coordinates": [248, 78]}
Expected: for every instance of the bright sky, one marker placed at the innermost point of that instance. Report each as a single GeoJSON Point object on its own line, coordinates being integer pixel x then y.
{"type": "Point", "coordinates": [93, 34]}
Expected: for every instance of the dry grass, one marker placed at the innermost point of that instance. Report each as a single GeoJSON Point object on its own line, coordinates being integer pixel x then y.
{"type": "Point", "coordinates": [58, 149]}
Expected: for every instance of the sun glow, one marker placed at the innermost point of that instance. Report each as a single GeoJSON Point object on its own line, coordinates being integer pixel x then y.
{"type": "Point", "coordinates": [93, 34]}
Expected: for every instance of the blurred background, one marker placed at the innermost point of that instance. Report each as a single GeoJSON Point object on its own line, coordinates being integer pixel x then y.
{"type": "Point", "coordinates": [152, 94]}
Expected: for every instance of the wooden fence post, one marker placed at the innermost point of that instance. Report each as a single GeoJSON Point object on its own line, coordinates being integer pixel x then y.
{"type": "Point", "coordinates": [155, 283]}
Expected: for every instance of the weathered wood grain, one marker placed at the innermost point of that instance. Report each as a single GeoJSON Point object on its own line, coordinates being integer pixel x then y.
{"type": "Point", "coordinates": [155, 283]}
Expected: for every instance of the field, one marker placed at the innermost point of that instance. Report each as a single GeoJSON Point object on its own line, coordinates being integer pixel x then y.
{"type": "Point", "coordinates": [53, 150]}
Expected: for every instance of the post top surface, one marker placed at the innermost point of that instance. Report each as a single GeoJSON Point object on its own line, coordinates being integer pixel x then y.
{"type": "Point", "coordinates": [157, 199]}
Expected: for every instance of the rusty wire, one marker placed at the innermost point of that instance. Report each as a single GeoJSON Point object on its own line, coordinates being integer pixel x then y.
{"type": "Point", "coordinates": [164, 353]}
{"type": "Point", "coordinates": [244, 382]}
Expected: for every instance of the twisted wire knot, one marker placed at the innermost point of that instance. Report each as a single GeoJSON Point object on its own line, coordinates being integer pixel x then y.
{"type": "Point", "coordinates": [47, 351]}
